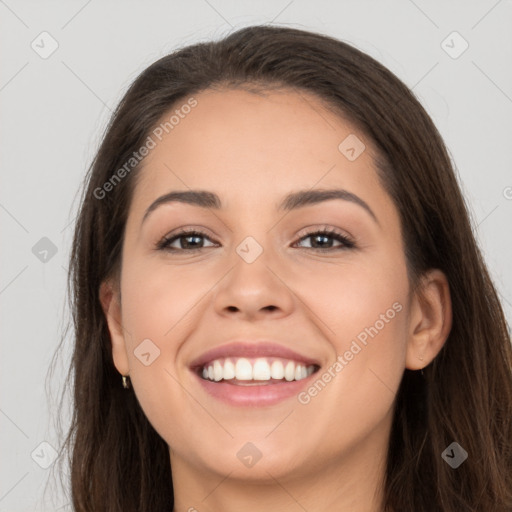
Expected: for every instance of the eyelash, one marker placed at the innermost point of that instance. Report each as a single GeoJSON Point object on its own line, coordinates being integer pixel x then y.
{"type": "Point", "coordinates": [164, 243]}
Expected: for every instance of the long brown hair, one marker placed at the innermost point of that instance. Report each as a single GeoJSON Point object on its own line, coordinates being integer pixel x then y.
{"type": "Point", "coordinates": [119, 463]}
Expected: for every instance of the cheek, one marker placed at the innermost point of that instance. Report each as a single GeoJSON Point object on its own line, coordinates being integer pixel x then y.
{"type": "Point", "coordinates": [157, 298]}
{"type": "Point", "coordinates": [158, 304]}
{"type": "Point", "coordinates": [350, 296]}
{"type": "Point", "coordinates": [362, 311]}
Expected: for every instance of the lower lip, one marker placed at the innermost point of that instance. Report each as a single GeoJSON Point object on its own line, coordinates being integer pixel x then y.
{"type": "Point", "coordinates": [254, 395]}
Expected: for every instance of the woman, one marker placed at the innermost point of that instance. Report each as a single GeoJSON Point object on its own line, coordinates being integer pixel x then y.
{"type": "Point", "coordinates": [278, 300]}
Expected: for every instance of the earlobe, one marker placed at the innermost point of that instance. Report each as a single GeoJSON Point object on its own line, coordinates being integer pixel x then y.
{"type": "Point", "coordinates": [111, 306]}
{"type": "Point", "coordinates": [430, 320]}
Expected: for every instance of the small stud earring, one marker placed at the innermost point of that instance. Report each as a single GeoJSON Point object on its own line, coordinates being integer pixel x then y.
{"type": "Point", "coordinates": [126, 383]}
{"type": "Point", "coordinates": [421, 359]}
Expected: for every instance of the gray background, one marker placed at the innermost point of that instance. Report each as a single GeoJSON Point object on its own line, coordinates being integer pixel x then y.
{"type": "Point", "coordinates": [54, 110]}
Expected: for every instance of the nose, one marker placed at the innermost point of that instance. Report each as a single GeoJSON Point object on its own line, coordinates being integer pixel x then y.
{"type": "Point", "coordinates": [254, 290]}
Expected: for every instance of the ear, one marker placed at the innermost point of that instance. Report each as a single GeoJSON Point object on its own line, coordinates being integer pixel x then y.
{"type": "Point", "coordinates": [111, 305]}
{"type": "Point", "coordinates": [430, 320]}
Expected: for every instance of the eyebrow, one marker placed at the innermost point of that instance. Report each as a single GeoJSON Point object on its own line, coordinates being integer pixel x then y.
{"type": "Point", "coordinates": [293, 201]}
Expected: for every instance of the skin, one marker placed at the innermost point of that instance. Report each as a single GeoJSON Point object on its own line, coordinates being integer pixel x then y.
{"type": "Point", "coordinates": [252, 150]}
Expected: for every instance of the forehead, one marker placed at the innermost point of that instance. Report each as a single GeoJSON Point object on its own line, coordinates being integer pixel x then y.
{"type": "Point", "coordinates": [247, 146]}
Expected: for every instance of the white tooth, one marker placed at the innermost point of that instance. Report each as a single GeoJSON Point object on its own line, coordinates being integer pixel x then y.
{"type": "Point", "coordinates": [217, 371]}
{"type": "Point", "coordinates": [229, 369]}
{"type": "Point", "coordinates": [277, 370]}
{"type": "Point", "coordinates": [243, 369]}
{"type": "Point", "coordinates": [289, 371]}
{"type": "Point", "coordinates": [261, 370]}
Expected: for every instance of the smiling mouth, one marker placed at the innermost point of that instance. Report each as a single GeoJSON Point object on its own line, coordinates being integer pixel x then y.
{"type": "Point", "coordinates": [261, 371]}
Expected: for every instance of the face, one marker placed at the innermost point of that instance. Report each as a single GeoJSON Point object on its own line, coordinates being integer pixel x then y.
{"type": "Point", "coordinates": [274, 271]}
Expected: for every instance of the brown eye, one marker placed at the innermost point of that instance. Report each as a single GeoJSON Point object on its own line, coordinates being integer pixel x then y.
{"type": "Point", "coordinates": [324, 240]}
{"type": "Point", "coordinates": [186, 241]}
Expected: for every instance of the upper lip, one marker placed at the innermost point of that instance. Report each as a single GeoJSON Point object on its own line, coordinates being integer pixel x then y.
{"type": "Point", "coordinates": [251, 349]}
